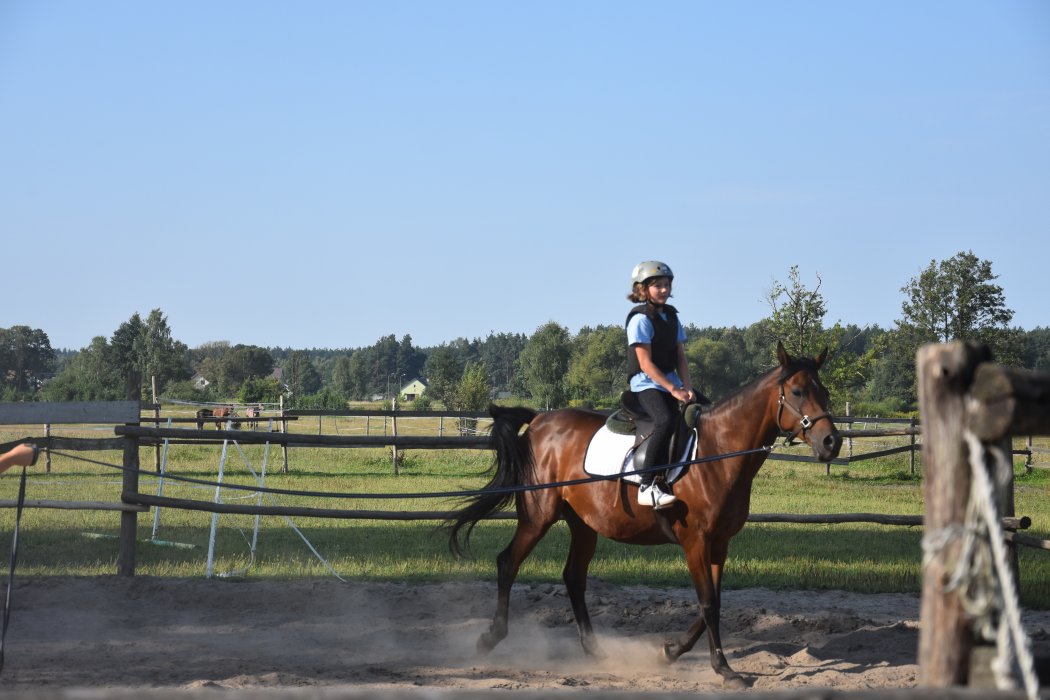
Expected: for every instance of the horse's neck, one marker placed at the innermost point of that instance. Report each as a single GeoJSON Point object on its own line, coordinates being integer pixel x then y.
{"type": "Point", "coordinates": [745, 421]}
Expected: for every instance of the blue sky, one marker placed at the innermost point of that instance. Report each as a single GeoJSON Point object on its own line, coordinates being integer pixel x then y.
{"type": "Point", "coordinates": [321, 174]}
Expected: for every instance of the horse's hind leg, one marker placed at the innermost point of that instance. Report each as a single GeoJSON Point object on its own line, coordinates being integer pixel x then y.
{"type": "Point", "coordinates": [581, 551]}
{"type": "Point", "coordinates": [507, 564]}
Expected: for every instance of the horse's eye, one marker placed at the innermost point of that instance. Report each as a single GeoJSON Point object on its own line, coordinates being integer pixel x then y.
{"type": "Point", "coordinates": [796, 392]}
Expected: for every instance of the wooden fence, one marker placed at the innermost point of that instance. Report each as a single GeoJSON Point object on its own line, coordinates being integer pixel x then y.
{"type": "Point", "coordinates": [965, 399]}
{"type": "Point", "coordinates": [132, 436]}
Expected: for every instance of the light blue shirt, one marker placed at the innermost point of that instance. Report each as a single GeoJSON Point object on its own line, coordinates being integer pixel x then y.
{"type": "Point", "coordinates": [640, 331]}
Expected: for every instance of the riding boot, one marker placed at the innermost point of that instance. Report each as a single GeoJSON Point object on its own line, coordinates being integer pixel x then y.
{"type": "Point", "coordinates": [654, 491]}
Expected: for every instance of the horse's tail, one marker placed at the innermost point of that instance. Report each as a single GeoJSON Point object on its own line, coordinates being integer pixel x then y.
{"type": "Point", "coordinates": [513, 466]}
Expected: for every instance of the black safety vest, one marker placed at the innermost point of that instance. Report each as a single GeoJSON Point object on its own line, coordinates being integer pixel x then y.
{"type": "Point", "coordinates": [664, 348]}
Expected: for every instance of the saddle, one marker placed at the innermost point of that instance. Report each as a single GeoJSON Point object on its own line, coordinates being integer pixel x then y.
{"type": "Point", "coordinates": [631, 419]}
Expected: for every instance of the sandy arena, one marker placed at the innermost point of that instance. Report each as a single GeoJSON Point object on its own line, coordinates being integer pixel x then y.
{"type": "Point", "coordinates": [127, 633]}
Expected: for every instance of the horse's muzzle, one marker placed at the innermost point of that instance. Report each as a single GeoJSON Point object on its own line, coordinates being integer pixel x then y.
{"type": "Point", "coordinates": [826, 444]}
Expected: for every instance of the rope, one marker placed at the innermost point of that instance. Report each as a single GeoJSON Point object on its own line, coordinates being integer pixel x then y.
{"type": "Point", "coordinates": [1010, 628]}
{"type": "Point", "coordinates": [434, 494]}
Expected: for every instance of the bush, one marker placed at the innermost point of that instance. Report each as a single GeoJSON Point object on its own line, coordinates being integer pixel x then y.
{"type": "Point", "coordinates": [888, 408]}
{"type": "Point", "coordinates": [422, 403]}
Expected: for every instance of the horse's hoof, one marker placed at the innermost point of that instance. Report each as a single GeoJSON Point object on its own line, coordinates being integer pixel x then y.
{"type": "Point", "coordinates": [666, 657]}
{"type": "Point", "coordinates": [594, 651]}
{"type": "Point", "coordinates": [486, 643]}
{"type": "Point", "coordinates": [735, 682]}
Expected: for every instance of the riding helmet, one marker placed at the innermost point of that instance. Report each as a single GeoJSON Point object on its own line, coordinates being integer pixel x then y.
{"type": "Point", "coordinates": [650, 268]}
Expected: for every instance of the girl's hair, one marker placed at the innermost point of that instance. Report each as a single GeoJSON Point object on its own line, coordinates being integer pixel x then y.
{"type": "Point", "coordinates": [639, 293]}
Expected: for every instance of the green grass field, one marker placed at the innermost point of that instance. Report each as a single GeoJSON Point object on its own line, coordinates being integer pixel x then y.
{"type": "Point", "coordinates": [856, 557]}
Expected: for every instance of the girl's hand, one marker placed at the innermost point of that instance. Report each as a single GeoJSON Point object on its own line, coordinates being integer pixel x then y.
{"type": "Point", "coordinates": [682, 394]}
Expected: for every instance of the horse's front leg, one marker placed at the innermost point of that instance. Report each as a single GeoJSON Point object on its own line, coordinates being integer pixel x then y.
{"type": "Point", "coordinates": [705, 563]}
{"type": "Point", "coordinates": [713, 615]}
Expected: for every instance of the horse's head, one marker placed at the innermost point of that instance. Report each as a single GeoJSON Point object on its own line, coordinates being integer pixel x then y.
{"type": "Point", "coordinates": [802, 409]}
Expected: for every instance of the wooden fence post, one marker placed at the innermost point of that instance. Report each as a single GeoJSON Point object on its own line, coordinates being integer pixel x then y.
{"type": "Point", "coordinates": [911, 424]}
{"type": "Point", "coordinates": [945, 635]}
{"type": "Point", "coordinates": [130, 485]}
{"type": "Point", "coordinates": [156, 414]}
{"type": "Point", "coordinates": [284, 429]}
{"type": "Point", "coordinates": [393, 420]}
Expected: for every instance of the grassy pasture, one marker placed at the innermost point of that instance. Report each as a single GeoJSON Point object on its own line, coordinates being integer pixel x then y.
{"type": "Point", "coordinates": [858, 557]}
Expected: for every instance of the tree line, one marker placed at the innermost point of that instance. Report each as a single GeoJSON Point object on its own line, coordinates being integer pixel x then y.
{"type": "Point", "coordinates": [871, 367]}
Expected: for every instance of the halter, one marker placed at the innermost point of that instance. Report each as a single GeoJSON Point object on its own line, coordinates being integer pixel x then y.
{"type": "Point", "coordinates": [804, 421]}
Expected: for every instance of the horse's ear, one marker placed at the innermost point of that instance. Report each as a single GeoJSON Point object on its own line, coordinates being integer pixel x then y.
{"type": "Point", "coordinates": [822, 356]}
{"type": "Point", "coordinates": [782, 354]}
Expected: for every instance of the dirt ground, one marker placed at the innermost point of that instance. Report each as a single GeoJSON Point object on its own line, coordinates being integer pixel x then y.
{"type": "Point", "coordinates": [142, 632]}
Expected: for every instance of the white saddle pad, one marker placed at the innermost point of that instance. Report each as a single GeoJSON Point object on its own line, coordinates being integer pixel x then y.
{"type": "Point", "coordinates": [610, 453]}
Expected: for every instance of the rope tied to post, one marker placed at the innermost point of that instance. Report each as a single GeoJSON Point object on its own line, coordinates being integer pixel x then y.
{"type": "Point", "coordinates": [982, 576]}
{"type": "Point", "coordinates": [1011, 639]}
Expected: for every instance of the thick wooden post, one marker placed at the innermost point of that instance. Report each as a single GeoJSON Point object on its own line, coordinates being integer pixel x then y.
{"type": "Point", "coordinates": [945, 635]}
{"type": "Point", "coordinates": [129, 520]}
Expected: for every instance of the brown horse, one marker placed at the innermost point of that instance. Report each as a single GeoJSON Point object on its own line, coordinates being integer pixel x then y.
{"type": "Point", "coordinates": [220, 415]}
{"type": "Point", "coordinates": [252, 413]}
{"type": "Point", "coordinates": [713, 496]}
{"type": "Point", "coordinates": [203, 414]}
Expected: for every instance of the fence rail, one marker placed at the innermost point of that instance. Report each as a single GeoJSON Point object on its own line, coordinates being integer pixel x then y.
{"type": "Point", "coordinates": [131, 436]}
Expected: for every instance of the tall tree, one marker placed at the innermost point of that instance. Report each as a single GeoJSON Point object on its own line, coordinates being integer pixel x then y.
{"type": "Point", "coordinates": [797, 320]}
{"type": "Point", "coordinates": [26, 359]}
{"type": "Point", "coordinates": [148, 348]}
{"type": "Point", "coordinates": [410, 360]}
{"type": "Point", "coordinates": [360, 374]}
{"type": "Point", "coordinates": [1037, 349]}
{"type": "Point", "coordinates": [543, 364]}
{"type": "Point", "coordinates": [91, 375]}
{"type": "Point", "coordinates": [797, 315]}
{"type": "Point", "coordinates": [443, 370]}
{"type": "Point", "coordinates": [598, 365]}
{"type": "Point", "coordinates": [715, 366]}
{"type": "Point", "coordinates": [240, 363]}
{"type": "Point", "coordinates": [472, 393]}
{"type": "Point", "coordinates": [162, 356]}
{"type": "Point", "coordinates": [342, 377]}
{"type": "Point", "coordinates": [499, 353]}
{"type": "Point", "coordinates": [300, 374]}
{"type": "Point", "coordinates": [955, 299]}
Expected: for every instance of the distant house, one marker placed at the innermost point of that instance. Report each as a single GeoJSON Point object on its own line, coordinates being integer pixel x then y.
{"type": "Point", "coordinates": [412, 391]}
{"type": "Point", "coordinates": [199, 382]}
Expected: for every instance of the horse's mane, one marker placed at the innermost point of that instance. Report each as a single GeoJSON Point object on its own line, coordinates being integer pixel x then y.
{"type": "Point", "coordinates": [794, 365]}
{"type": "Point", "coordinates": [746, 389]}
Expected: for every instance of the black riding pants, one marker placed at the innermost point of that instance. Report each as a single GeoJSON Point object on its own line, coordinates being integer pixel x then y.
{"type": "Point", "coordinates": [663, 409]}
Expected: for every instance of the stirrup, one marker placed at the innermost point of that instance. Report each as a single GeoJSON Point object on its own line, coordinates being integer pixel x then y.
{"type": "Point", "coordinates": [655, 495]}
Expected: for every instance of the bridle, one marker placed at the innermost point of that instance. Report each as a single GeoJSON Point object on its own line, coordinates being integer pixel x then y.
{"type": "Point", "coordinates": [804, 422]}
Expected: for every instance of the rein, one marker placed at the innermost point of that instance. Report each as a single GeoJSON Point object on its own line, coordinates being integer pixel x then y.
{"type": "Point", "coordinates": [804, 421]}
{"type": "Point", "coordinates": [429, 494]}
{"type": "Point", "coordinates": [11, 570]}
